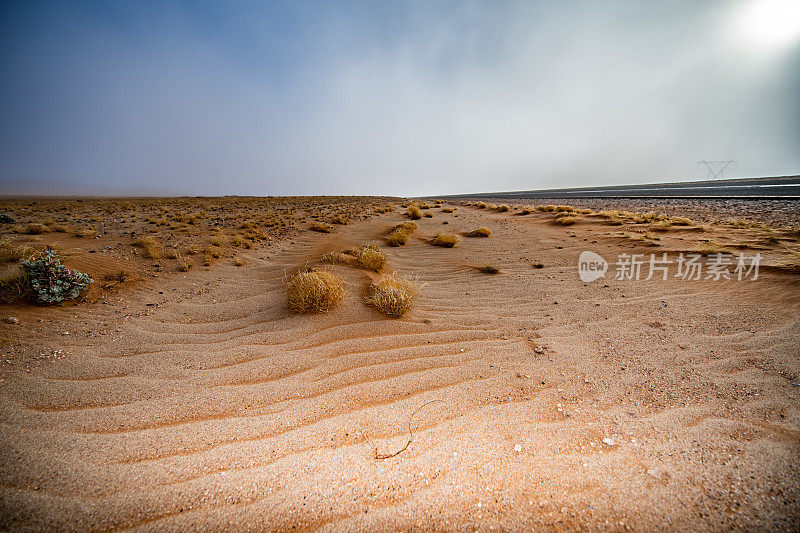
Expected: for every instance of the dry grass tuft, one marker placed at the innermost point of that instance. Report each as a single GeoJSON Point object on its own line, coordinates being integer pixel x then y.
{"type": "Point", "coordinates": [682, 221]}
{"type": "Point", "coordinates": [238, 261]}
{"type": "Point", "coordinates": [121, 276]}
{"type": "Point", "coordinates": [151, 248]}
{"type": "Point", "coordinates": [503, 208]}
{"type": "Point", "coordinates": [663, 225]}
{"type": "Point", "coordinates": [564, 209]}
{"type": "Point", "coordinates": [446, 240]}
{"type": "Point", "coordinates": [14, 287]}
{"type": "Point", "coordinates": [184, 263]}
{"type": "Point", "coordinates": [392, 295]}
{"type": "Point", "coordinates": [480, 232]}
{"type": "Point", "coordinates": [487, 269]}
{"type": "Point", "coordinates": [481, 205]}
{"type": "Point", "coordinates": [398, 235]}
{"type": "Point", "coordinates": [414, 213]}
{"type": "Point", "coordinates": [321, 228]}
{"type": "Point", "coordinates": [428, 215]}
{"type": "Point", "coordinates": [337, 258]}
{"type": "Point", "coordinates": [217, 240]}
{"type": "Point", "coordinates": [85, 233]}
{"type": "Point", "coordinates": [339, 219]}
{"type": "Point", "coordinates": [313, 291]}
{"type": "Point", "coordinates": [31, 229]}
{"type": "Point", "coordinates": [447, 210]}
{"type": "Point", "coordinates": [566, 220]}
{"type": "Point", "coordinates": [371, 258]}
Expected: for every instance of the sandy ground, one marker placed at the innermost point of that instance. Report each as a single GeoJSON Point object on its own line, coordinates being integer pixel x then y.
{"type": "Point", "coordinates": [196, 401]}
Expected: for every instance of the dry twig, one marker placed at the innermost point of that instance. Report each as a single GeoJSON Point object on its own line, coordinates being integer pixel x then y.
{"type": "Point", "coordinates": [410, 435]}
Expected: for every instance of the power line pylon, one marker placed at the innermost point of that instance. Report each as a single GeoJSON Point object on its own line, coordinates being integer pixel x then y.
{"type": "Point", "coordinates": [717, 169]}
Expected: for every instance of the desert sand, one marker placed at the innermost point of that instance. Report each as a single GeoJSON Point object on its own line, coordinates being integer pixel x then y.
{"type": "Point", "coordinates": [195, 400]}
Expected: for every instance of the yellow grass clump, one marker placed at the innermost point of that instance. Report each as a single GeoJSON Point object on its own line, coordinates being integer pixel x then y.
{"type": "Point", "coordinates": [392, 295]}
{"type": "Point", "coordinates": [663, 225]}
{"type": "Point", "coordinates": [566, 220]}
{"type": "Point", "coordinates": [446, 240]}
{"type": "Point", "coordinates": [447, 210]}
{"type": "Point", "coordinates": [480, 232]}
{"type": "Point", "coordinates": [414, 213]}
{"type": "Point", "coordinates": [481, 205]}
{"type": "Point", "coordinates": [503, 208]}
{"type": "Point", "coordinates": [151, 248]}
{"type": "Point", "coordinates": [398, 235]}
{"type": "Point", "coordinates": [14, 287]}
{"type": "Point", "coordinates": [336, 258]}
{"type": "Point", "coordinates": [681, 221]}
{"type": "Point", "coordinates": [487, 269]}
{"type": "Point", "coordinates": [31, 229]}
{"type": "Point", "coordinates": [321, 228]}
{"type": "Point", "coordinates": [184, 263]}
{"type": "Point", "coordinates": [371, 258]}
{"type": "Point", "coordinates": [313, 291]}
{"type": "Point", "coordinates": [85, 233]}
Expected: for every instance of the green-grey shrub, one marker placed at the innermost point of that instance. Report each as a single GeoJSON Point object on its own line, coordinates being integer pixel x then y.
{"type": "Point", "coordinates": [51, 282]}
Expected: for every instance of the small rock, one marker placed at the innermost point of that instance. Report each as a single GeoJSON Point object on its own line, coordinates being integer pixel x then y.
{"type": "Point", "coordinates": [608, 442]}
{"type": "Point", "coordinates": [518, 448]}
{"type": "Point", "coordinates": [12, 320]}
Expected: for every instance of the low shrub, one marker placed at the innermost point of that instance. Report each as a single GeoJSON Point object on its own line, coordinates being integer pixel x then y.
{"type": "Point", "coordinates": [566, 220]}
{"type": "Point", "coordinates": [414, 213]}
{"type": "Point", "coordinates": [446, 240]}
{"type": "Point", "coordinates": [151, 248]}
{"type": "Point", "coordinates": [398, 235]}
{"type": "Point", "coordinates": [480, 232]}
{"type": "Point", "coordinates": [85, 233]}
{"type": "Point", "coordinates": [313, 291]}
{"type": "Point", "coordinates": [336, 258]}
{"type": "Point", "coordinates": [487, 269]}
{"type": "Point", "coordinates": [51, 282]}
{"type": "Point", "coordinates": [320, 228]}
{"type": "Point", "coordinates": [371, 258]}
{"type": "Point", "coordinates": [392, 295]}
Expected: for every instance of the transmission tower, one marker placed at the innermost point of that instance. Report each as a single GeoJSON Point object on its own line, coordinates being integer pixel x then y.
{"type": "Point", "coordinates": [716, 169]}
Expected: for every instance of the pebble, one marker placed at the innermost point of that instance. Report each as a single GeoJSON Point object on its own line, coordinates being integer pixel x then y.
{"type": "Point", "coordinates": [518, 448]}
{"type": "Point", "coordinates": [608, 442]}
{"type": "Point", "coordinates": [12, 320]}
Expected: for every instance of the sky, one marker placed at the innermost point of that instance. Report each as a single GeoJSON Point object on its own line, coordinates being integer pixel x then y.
{"type": "Point", "coordinates": [398, 98]}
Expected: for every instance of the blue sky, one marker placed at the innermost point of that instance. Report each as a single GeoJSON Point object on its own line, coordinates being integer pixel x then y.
{"type": "Point", "coordinates": [400, 98]}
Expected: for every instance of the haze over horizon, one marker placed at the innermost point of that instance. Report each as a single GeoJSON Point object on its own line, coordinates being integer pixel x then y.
{"type": "Point", "coordinates": [406, 99]}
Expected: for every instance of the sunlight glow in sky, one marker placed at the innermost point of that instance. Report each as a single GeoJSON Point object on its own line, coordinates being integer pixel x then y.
{"type": "Point", "coordinates": [770, 24]}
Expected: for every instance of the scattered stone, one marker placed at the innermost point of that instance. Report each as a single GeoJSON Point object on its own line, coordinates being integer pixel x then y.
{"type": "Point", "coordinates": [12, 320]}
{"type": "Point", "coordinates": [6, 219]}
{"type": "Point", "coordinates": [608, 442]}
{"type": "Point", "coordinates": [518, 448]}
